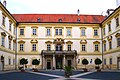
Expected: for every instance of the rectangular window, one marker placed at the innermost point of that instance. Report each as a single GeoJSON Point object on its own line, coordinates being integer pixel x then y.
{"type": "Point", "coordinates": [10, 25]}
{"type": "Point", "coordinates": [9, 60]}
{"type": "Point", "coordinates": [58, 31]}
{"type": "Point", "coordinates": [103, 31]}
{"type": "Point", "coordinates": [69, 47]}
{"type": "Point", "coordinates": [9, 44]}
{"type": "Point", "coordinates": [68, 32]}
{"type": "Point", "coordinates": [110, 45]}
{"type": "Point", "coordinates": [3, 21]}
{"type": "Point", "coordinates": [33, 47]}
{"type": "Point", "coordinates": [14, 30]}
{"type": "Point", "coordinates": [13, 61]}
{"type": "Point", "coordinates": [14, 46]}
{"type": "Point", "coordinates": [83, 32]}
{"type": "Point", "coordinates": [117, 22]}
{"type": "Point", "coordinates": [109, 27]}
{"type": "Point", "coordinates": [3, 41]}
{"type": "Point", "coordinates": [48, 47]}
{"type": "Point", "coordinates": [104, 47]}
{"type": "Point", "coordinates": [48, 32]}
{"type": "Point", "coordinates": [21, 47]}
{"type": "Point", "coordinates": [83, 47]}
{"type": "Point", "coordinates": [96, 47]}
{"type": "Point", "coordinates": [118, 42]}
{"type": "Point", "coordinates": [34, 31]}
{"type": "Point", "coordinates": [95, 32]}
{"type": "Point", "coordinates": [110, 60]}
{"type": "Point", "coordinates": [104, 61]}
{"type": "Point", "coordinates": [21, 31]}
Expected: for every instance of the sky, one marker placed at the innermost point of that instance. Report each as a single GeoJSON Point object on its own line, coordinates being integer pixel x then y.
{"type": "Point", "coordinates": [95, 7]}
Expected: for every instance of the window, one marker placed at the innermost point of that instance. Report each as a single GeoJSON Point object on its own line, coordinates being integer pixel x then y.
{"type": "Point", "coordinates": [58, 47]}
{"type": "Point", "coordinates": [58, 31]}
{"type": "Point", "coordinates": [14, 45]}
{"type": "Point", "coordinates": [117, 22]}
{"type": "Point", "coordinates": [110, 45]}
{"type": "Point", "coordinates": [104, 61]}
{"type": "Point", "coordinates": [83, 47]}
{"type": "Point", "coordinates": [21, 47]}
{"type": "Point", "coordinates": [109, 27]}
{"type": "Point", "coordinates": [103, 31]}
{"type": "Point", "coordinates": [48, 47]}
{"type": "Point", "coordinates": [118, 42]}
{"type": "Point", "coordinates": [34, 31]}
{"type": "Point", "coordinates": [104, 47]}
{"type": "Point", "coordinates": [13, 61]}
{"type": "Point", "coordinates": [96, 47]}
{"type": "Point", "coordinates": [110, 61]}
{"type": "Point", "coordinates": [14, 30]}
{"type": "Point", "coordinates": [83, 32]}
{"type": "Point", "coordinates": [9, 44]}
{"type": "Point", "coordinates": [69, 47]}
{"type": "Point", "coordinates": [68, 32]}
{"type": "Point", "coordinates": [21, 31]}
{"type": "Point", "coordinates": [60, 20]}
{"type": "Point", "coordinates": [3, 21]}
{"type": "Point", "coordinates": [10, 25]}
{"type": "Point", "coordinates": [48, 32]}
{"type": "Point", "coordinates": [3, 41]}
{"type": "Point", "coordinates": [95, 32]}
{"type": "Point", "coordinates": [9, 60]}
{"type": "Point", "coordinates": [33, 47]}
{"type": "Point", "coordinates": [78, 19]}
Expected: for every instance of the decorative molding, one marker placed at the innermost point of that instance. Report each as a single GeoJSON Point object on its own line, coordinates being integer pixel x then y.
{"type": "Point", "coordinates": [48, 42]}
{"type": "Point", "coordinates": [10, 37]}
{"type": "Point", "coordinates": [96, 42]}
{"type": "Point", "coordinates": [69, 42]}
{"type": "Point", "coordinates": [104, 41]}
{"type": "Point", "coordinates": [109, 38]}
{"type": "Point", "coordinates": [3, 34]}
{"type": "Point", "coordinates": [117, 35]}
{"type": "Point", "coordinates": [58, 41]}
{"type": "Point", "coordinates": [83, 42]}
{"type": "Point", "coordinates": [14, 40]}
{"type": "Point", "coordinates": [21, 41]}
{"type": "Point", "coordinates": [34, 41]}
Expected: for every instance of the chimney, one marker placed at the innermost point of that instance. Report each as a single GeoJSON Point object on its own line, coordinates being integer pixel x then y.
{"type": "Point", "coordinates": [117, 3]}
{"type": "Point", "coordinates": [78, 12]}
{"type": "Point", "coordinates": [4, 3]}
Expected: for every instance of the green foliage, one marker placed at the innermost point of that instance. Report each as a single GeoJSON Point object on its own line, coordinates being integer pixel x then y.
{"type": "Point", "coordinates": [35, 62]}
{"type": "Point", "coordinates": [68, 68]}
{"type": "Point", "coordinates": [23, 61]}
{"type": "Point", "coordinates": [98, 61]}
{"type": "Point", "coordinates": [85, 62]}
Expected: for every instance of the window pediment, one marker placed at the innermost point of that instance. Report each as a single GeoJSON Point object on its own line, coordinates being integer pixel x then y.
{"type": "Point", "coordinates": [69, 42]}
{"type": "Point", "coordinates": [96, 42]}
{"type": "Point", "coordinates": [10, 37]}
{"type": "Point", "coordinates": [117, 35]}
{"type": "Point", "coordinates": [34, 41]}
{"type": "Point", "coordinates": [14, 40]}
{"type": "Point", "coordinates": [21, 41]}
{"type": "Point", "coordinates": [59, 41]}
{"type": "Point", "coordinates": [3, 34]}
{"type": "Point", "coordinates": [109, 38]}
{"type": "Point", "coordinates": [83, 42]}
{"type": "Point", "coordinates": [48, 42]}
{"type": "Point", "coordinates": [104, 41]}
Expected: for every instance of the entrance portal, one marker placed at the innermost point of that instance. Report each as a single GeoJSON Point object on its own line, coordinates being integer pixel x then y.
{"type": "Point", "coordinates": [59, 63]}
{"type": "Point", "coordinates": [69, 63]}
{"type": "Point", "coordinates": [48, 64]}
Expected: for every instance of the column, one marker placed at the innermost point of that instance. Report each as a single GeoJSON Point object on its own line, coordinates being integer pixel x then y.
{"type": "Point", "coordinates": [41, 61]}
{"type": "Point", "coordinates": [54, 61]}
{"type": "Point", "coordinates": [44, 62]}
{"type": "Point", "coordinates": [64, 62]}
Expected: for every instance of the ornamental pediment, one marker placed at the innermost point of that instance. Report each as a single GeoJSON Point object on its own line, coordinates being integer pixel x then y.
{"type": "Point", "coordinates": [83, 42]}
{"type": "Point", "coordinates": [117, 35]}
{"type": "Point", "coordinates": [48, 42]}
{"type": "Point", "coordinates": [3, 34]}
{"type": "Point", "coordinates": [21, 41]}
{"type": "Point", "coordinates": [104, 41]}
{"type": "Point", "coordinates": [10, 37]}
{"type": "Point", "coordinates": [96, 42]}
{"type": "Point", "coordinates": [59, 41]}
{"type": "Point", "coordinates": [69, 42]}
{"type": "Point", "coordinates": [34, 41]}
{"type": "Point", "coordinates": [109, 38]}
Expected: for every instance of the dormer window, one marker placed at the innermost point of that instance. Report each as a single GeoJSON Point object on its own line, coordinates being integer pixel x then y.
{"type": "Point", "coordinates": [60, 20]}
{"type": "Point", "coordinates": [38, 19]}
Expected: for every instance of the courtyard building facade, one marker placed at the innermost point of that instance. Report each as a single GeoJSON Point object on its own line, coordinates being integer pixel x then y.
{"type": "Point", "coordinates": [59, 39]}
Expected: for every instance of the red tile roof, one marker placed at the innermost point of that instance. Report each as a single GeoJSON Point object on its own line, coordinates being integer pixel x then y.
{"type": "Point", "coordinates": [55, 18]}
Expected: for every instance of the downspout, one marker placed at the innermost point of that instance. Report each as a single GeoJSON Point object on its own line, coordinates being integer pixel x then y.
{"type": "Point", "coordinates": [102, 45]}
{"type": "Point", "coordinates": [16, 48]}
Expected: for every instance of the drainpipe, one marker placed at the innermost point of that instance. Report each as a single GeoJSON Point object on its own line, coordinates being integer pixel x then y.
{"type": "Point", "coordinates": [102, 46]}
{"type": "Point", "coordinates": [16, 48]}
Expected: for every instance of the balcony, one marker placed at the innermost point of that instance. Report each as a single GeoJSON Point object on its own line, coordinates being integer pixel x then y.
{"type": "Point", "coordinates": [66, 52]}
